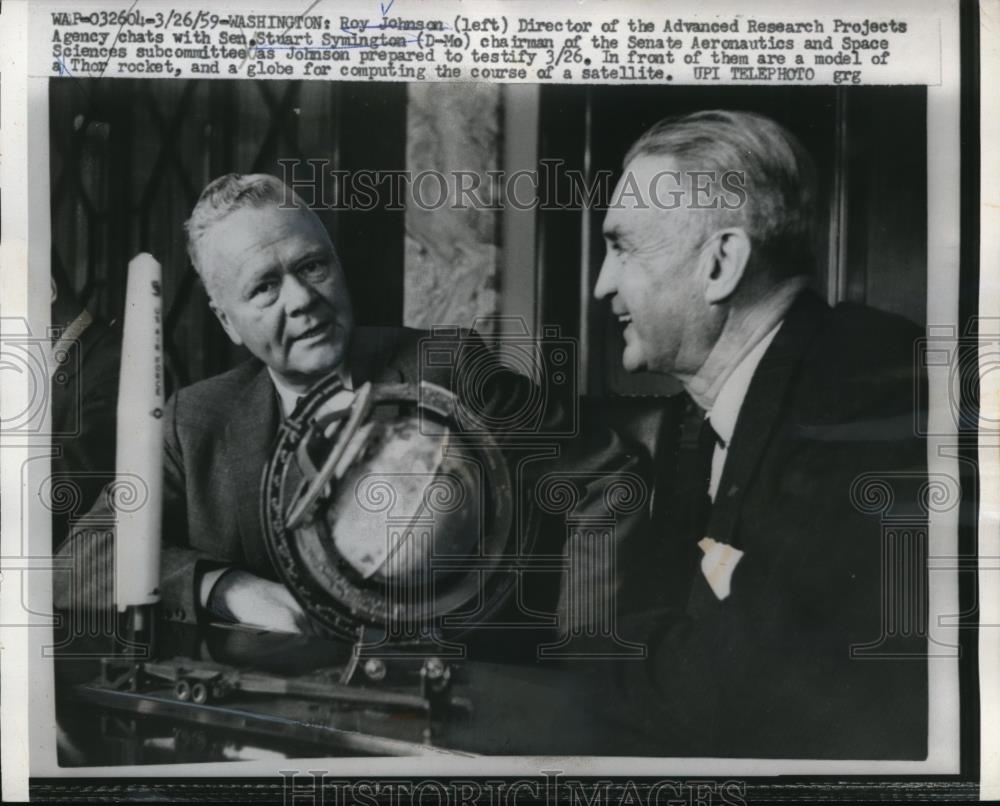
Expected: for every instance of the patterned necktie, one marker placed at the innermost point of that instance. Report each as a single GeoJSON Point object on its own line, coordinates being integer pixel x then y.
{"type": "Point", "coordinates": [338, 397]}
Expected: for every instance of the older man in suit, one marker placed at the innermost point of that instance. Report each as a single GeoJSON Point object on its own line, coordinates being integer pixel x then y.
{"type": "Point", "coordinates": [277, 287]}
{"type": "Point", "coordinates": [772, 639]}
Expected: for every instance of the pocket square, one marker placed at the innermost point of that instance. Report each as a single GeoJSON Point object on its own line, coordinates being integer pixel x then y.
{"type": "Point", "coordinates": [718, 565]}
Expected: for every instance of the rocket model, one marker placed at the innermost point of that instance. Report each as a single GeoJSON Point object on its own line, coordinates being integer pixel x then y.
{"type": "Point", "coordinates": [139, 459]}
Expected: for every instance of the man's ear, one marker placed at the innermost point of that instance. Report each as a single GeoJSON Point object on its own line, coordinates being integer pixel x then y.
{"type": "Point", "coordinates": [728, 255]}
{"type": "Point", "coordinates": [234, 337]}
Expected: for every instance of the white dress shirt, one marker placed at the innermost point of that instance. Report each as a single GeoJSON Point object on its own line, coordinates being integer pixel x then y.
{"type": "Point", "coordinates": [289, 397]}
{"type": "Point", "coordinates": [728, 403]}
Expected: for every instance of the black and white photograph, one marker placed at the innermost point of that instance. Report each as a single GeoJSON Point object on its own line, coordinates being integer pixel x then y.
{"type": "Point", "coordinates": [394, 425]}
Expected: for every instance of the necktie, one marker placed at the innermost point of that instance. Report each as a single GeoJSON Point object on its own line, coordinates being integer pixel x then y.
{"type": "Point", "coordinates": [337, 398]}
{"type": "Point", "coordinates": [681, 508]}
{"type": "Point", "coordinates": [681, 502]}
{"type": "Point", "coordinates": [701, 501]}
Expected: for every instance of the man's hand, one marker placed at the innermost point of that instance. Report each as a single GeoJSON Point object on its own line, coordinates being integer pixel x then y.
{"type": "Point", "coordinates": [247, 599]}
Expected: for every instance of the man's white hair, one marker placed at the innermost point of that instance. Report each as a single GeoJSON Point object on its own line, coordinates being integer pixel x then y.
{"type": "Point", "coordinates": [778, 174]}
{"type": "Point", "coordinates": [227, 194]}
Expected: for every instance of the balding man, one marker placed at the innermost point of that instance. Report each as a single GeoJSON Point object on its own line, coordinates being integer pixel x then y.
{"type": "Point", "coordinates": [776, 643]}
{"type": "Point", "coordinates": [275, 283]}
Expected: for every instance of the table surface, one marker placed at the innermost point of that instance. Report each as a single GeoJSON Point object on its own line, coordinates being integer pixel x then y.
{"type": "Point", "coordinates": [501, 705]}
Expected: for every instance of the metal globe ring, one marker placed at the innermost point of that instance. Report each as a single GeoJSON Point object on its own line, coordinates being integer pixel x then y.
{"type": "Point", "coordinates": [310, 565]}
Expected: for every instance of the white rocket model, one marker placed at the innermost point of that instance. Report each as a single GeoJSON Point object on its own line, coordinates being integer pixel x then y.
{"type": "Point", "coordinates": [139, 458]}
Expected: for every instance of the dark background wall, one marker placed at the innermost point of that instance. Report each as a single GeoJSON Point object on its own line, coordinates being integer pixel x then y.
{"type": "Point", "coordinates": [129, 158]}
{"type": "Point", "coordinates": [869, 145]}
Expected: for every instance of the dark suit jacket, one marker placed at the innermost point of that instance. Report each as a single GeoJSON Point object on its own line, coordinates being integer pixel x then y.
{"type": "Point", "coordinates": [219, 435]}
{"type": "Point", "coordinates": [819, 651]}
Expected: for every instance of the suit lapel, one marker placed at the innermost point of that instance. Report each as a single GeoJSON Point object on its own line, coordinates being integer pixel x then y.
{"type": "Point", "coordinates": [760, 414]}
{"type": "Point", "coordinates": [250, 434]}
{"type": "Point", "coordinates": [249, 438]}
